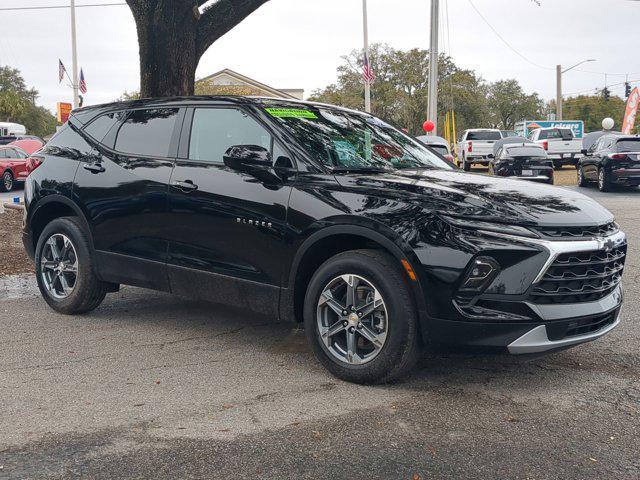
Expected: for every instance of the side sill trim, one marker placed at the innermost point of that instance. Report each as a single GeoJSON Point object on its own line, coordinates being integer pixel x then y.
{"type": "Point", "coordinates": [537, 340]}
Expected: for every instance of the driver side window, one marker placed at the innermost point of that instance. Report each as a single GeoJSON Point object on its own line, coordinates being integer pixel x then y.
{"type": "Point", "coordinates": [215, 130]}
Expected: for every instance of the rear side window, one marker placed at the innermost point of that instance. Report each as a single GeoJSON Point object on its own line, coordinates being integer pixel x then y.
{"type": "Point", "coordinates": [628, 145]}
{"type": "Point", "coordinates": [215, 130]}
{"type": "Point", "coordinates": [147, 133]}
{"type": "Point", "coordinates": [484, 136]}
{"type": "Point", "coordinates": [99, 128]}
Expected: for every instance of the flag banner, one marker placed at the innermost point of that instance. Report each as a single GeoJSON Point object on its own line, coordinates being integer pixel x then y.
{"type": "Point", "coordinates": [61, 71]}
{"type": "Point", "coordinates": [83, 83]}
{"type": "Point", "coordinates": [631, 112]}
{"type": "Point", "coordinates": [368, 73]}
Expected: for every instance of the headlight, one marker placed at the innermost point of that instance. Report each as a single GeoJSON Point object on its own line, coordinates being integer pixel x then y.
{"type": "Point", "coordinates": [489, 226]}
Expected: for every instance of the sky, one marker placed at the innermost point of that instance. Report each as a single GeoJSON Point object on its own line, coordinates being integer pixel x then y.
{"type": "Point", "coordinates": [299, 43]}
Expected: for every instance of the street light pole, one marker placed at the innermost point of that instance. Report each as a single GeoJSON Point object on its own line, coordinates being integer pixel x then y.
{"type": "Point", "coordinates": [74, 55]}
{"type": "Point", "coordinates": [559, 73]}
{"type": "Point", "coordinates": [432, 108]}
{"type": "Point", "coordinates": [367, 84]}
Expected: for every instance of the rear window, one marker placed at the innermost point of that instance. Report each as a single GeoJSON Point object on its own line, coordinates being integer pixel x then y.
{"type": "Point", "coordinates": [484, 135]}
{"type": "Point", "coordinates": [147, 132]}
{"type": "Point", "coordinates": [628, 145]}
{"type": "Point", "coordinates": [526, 152]}
{"type": "Point", "coordinates": [99, 127]}
{"type": "Point", "coordinates": [441, 149]}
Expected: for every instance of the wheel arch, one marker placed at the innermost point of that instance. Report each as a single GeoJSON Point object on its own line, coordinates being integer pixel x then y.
{"type": "Point", "coordinates": [325, 243]}
{"type": "Point", "coordinates": [48, 209]}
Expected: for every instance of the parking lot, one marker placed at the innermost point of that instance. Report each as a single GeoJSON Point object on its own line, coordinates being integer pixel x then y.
{"type": "Point", "coordinates": [158, 386]}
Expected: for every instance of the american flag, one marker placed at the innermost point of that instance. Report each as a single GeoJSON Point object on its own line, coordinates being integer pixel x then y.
{"type": "Point", "coordinates": [61, 71]}
{"type": "Point", "coordinates": [83, 83]}
{"type": "Point", "coordinates": [367, 73]}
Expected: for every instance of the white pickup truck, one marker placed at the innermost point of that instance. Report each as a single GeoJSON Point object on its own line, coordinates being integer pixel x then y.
{"type": "Point", "coordinates": [561, 145]}
{"type": "Point", "coordinates": [476, 146]}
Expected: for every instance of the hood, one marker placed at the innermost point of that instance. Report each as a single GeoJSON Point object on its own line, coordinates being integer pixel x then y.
{"type": "Point", "coordinates": [483, 197]}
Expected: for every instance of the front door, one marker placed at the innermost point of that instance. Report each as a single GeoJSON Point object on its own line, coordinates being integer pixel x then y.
{"type": "Point", "coordinates": [228, 245]}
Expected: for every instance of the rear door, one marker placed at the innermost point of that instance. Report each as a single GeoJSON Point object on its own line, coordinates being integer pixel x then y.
{"type": "Point", "coordinates": [123, 189]}
{"type": "Point", "coordinates": [230, 246]}
{"type": "Point", "coordinates": [19, 162]}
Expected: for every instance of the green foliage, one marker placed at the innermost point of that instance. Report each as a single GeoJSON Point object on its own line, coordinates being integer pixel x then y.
{"type": "Point", "coordinates": [17, 104]}
{"type": "Point", "coordinates": [400, 92]}
{"type": "Point", "coordinates": [593, 109]}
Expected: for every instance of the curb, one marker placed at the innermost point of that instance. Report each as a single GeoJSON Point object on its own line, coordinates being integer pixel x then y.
{"type": "Point", "coordinates": [14, 206]}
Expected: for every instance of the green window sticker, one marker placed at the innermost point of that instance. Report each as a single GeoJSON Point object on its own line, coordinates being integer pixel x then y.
{"type": "Point", "coordinates": [290, 113]}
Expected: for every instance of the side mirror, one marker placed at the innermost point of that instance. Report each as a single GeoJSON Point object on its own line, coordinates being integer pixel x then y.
{"type": "Point", "coordinates": [584, 151]}
{"type": "Point", "coordinates": [247, 158]}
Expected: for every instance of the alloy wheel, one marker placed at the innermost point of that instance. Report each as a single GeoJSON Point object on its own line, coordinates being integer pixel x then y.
{"type": "Point", "coordinates": [352, 319]}
{"type": "Point", "coordinates": [601, 179]}
{"type": "Point", "coordinates": [8, 181]}
{"type": "Point", "coordinates": [59, 266]}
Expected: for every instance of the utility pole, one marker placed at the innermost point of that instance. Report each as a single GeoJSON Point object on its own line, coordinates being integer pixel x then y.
{"type": "Point", "coordinates": [559, 73]}
{"type": "Point", "coordinates": [558, 92]}
{"type": "Point", "coordinates": [74, 55]}
{"type": "Point", "coordinates": [432, 109]}
{"type": "Point", "coordinates": [367, 85]}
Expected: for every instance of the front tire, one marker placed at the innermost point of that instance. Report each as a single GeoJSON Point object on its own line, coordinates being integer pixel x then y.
{"type": "Point", "coordinates": [65, 268]}
{"type": "Point", "coordinates": [360, 318]}
{"type": "Point", "coordinates": [7, 183]}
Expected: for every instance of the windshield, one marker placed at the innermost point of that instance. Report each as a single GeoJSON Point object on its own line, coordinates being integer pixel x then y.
{"type": "Point", "coordinates": [352, 141]}
{"type": "Point", "coordinates": [628, 145]}
{"type": "Point", "coordinates": [484, 135]}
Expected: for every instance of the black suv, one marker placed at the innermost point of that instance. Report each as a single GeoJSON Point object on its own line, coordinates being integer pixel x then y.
{"type": "Point", "coordinates": [321, 215]}
{"type": "Point", "coordinates": [613, 160]}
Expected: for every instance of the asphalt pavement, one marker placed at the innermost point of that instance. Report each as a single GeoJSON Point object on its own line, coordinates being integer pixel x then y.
{"type": "Point", "coordinates": [155, 386]}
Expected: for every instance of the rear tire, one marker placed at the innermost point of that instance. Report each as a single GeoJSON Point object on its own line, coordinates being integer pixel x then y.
{"type": "Point", "coordinates": [466, 166]}
{"type": "Point", "coordinates": [604, 182]}
{"type": "Point", "coordinates": [65, 268]}
{"type": "Point", "coordinates": [378, 276]}
{"type": "Point", "coordinates": [582, 180]}
{"type": "Point", "coordinates": [557, 165]}
{"type": "Point", "coordinates": [7, 183]}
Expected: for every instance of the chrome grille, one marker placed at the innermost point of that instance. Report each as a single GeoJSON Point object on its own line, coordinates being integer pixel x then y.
{"type": "Point", "coordinates": [580, 232]}
{"type": "Point", "coordinates": [580, 277]}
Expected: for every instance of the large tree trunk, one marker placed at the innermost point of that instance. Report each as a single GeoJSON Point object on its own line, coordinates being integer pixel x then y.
{"type": "Point", "coordinates": [173, 35]}
{"type": "Point", "coordinates": [168, 53]}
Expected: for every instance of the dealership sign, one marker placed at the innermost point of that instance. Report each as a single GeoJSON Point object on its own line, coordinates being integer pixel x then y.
{"type": "Point", "coordinates": [64, 110]}
{"type": "Point", "coordinates": [631, 112]}
{"type": "Point", "coordinates": [526, 127]}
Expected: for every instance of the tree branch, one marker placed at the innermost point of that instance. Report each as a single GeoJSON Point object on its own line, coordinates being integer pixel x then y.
{"type": "Point", "coordinates": [221, 17]}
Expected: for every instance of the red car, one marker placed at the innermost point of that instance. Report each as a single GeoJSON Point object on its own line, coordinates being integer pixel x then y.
{"type": "Point", "coordinates": [13, 167]}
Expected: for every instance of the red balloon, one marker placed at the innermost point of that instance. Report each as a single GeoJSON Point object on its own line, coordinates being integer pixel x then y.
{"type": "Point", "coordinates": [428, 126]}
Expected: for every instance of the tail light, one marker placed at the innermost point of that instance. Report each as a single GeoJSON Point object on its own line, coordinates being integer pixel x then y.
{"type": "Point", "coordinates": [33, 163]}
{"type": "Point", "coordinates": [618, 156]}
{"type": "Point", "coordinates": [470, 147]}
{"type": "Point", "coordinates": [545, 145]}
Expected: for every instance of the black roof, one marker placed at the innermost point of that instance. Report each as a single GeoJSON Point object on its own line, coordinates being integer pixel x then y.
{"type": "Point", "coordinates": [85, 113]}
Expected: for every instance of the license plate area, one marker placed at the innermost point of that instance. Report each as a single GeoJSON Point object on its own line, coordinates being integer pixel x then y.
{"type": "Point", "coordinates": [528, 173]}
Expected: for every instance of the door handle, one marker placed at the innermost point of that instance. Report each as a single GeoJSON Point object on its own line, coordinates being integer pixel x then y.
{"type": "Point", "coordinates": [94, 167]}
{"type": "Point", "coordinates": [185, 186]}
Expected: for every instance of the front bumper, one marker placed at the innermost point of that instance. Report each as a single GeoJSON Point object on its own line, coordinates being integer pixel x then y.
{"type": "Point", "coordinates": [507, 318]}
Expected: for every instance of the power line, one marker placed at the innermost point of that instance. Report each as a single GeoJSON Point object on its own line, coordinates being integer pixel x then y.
{"type": "Point", "coordinates": [511, 47]}
{"type": "Point", "coordinates": [53, 7]}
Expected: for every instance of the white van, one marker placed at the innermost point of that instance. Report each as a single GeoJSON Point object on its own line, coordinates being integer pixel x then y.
{"type": "Point", "coordinates": [11, 129]}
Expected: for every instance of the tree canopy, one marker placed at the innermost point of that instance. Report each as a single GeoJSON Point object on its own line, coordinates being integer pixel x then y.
{"type": "Point", "coordinates": [400, 92]}
{"type": "Point", "coordinates": [17, 104]}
